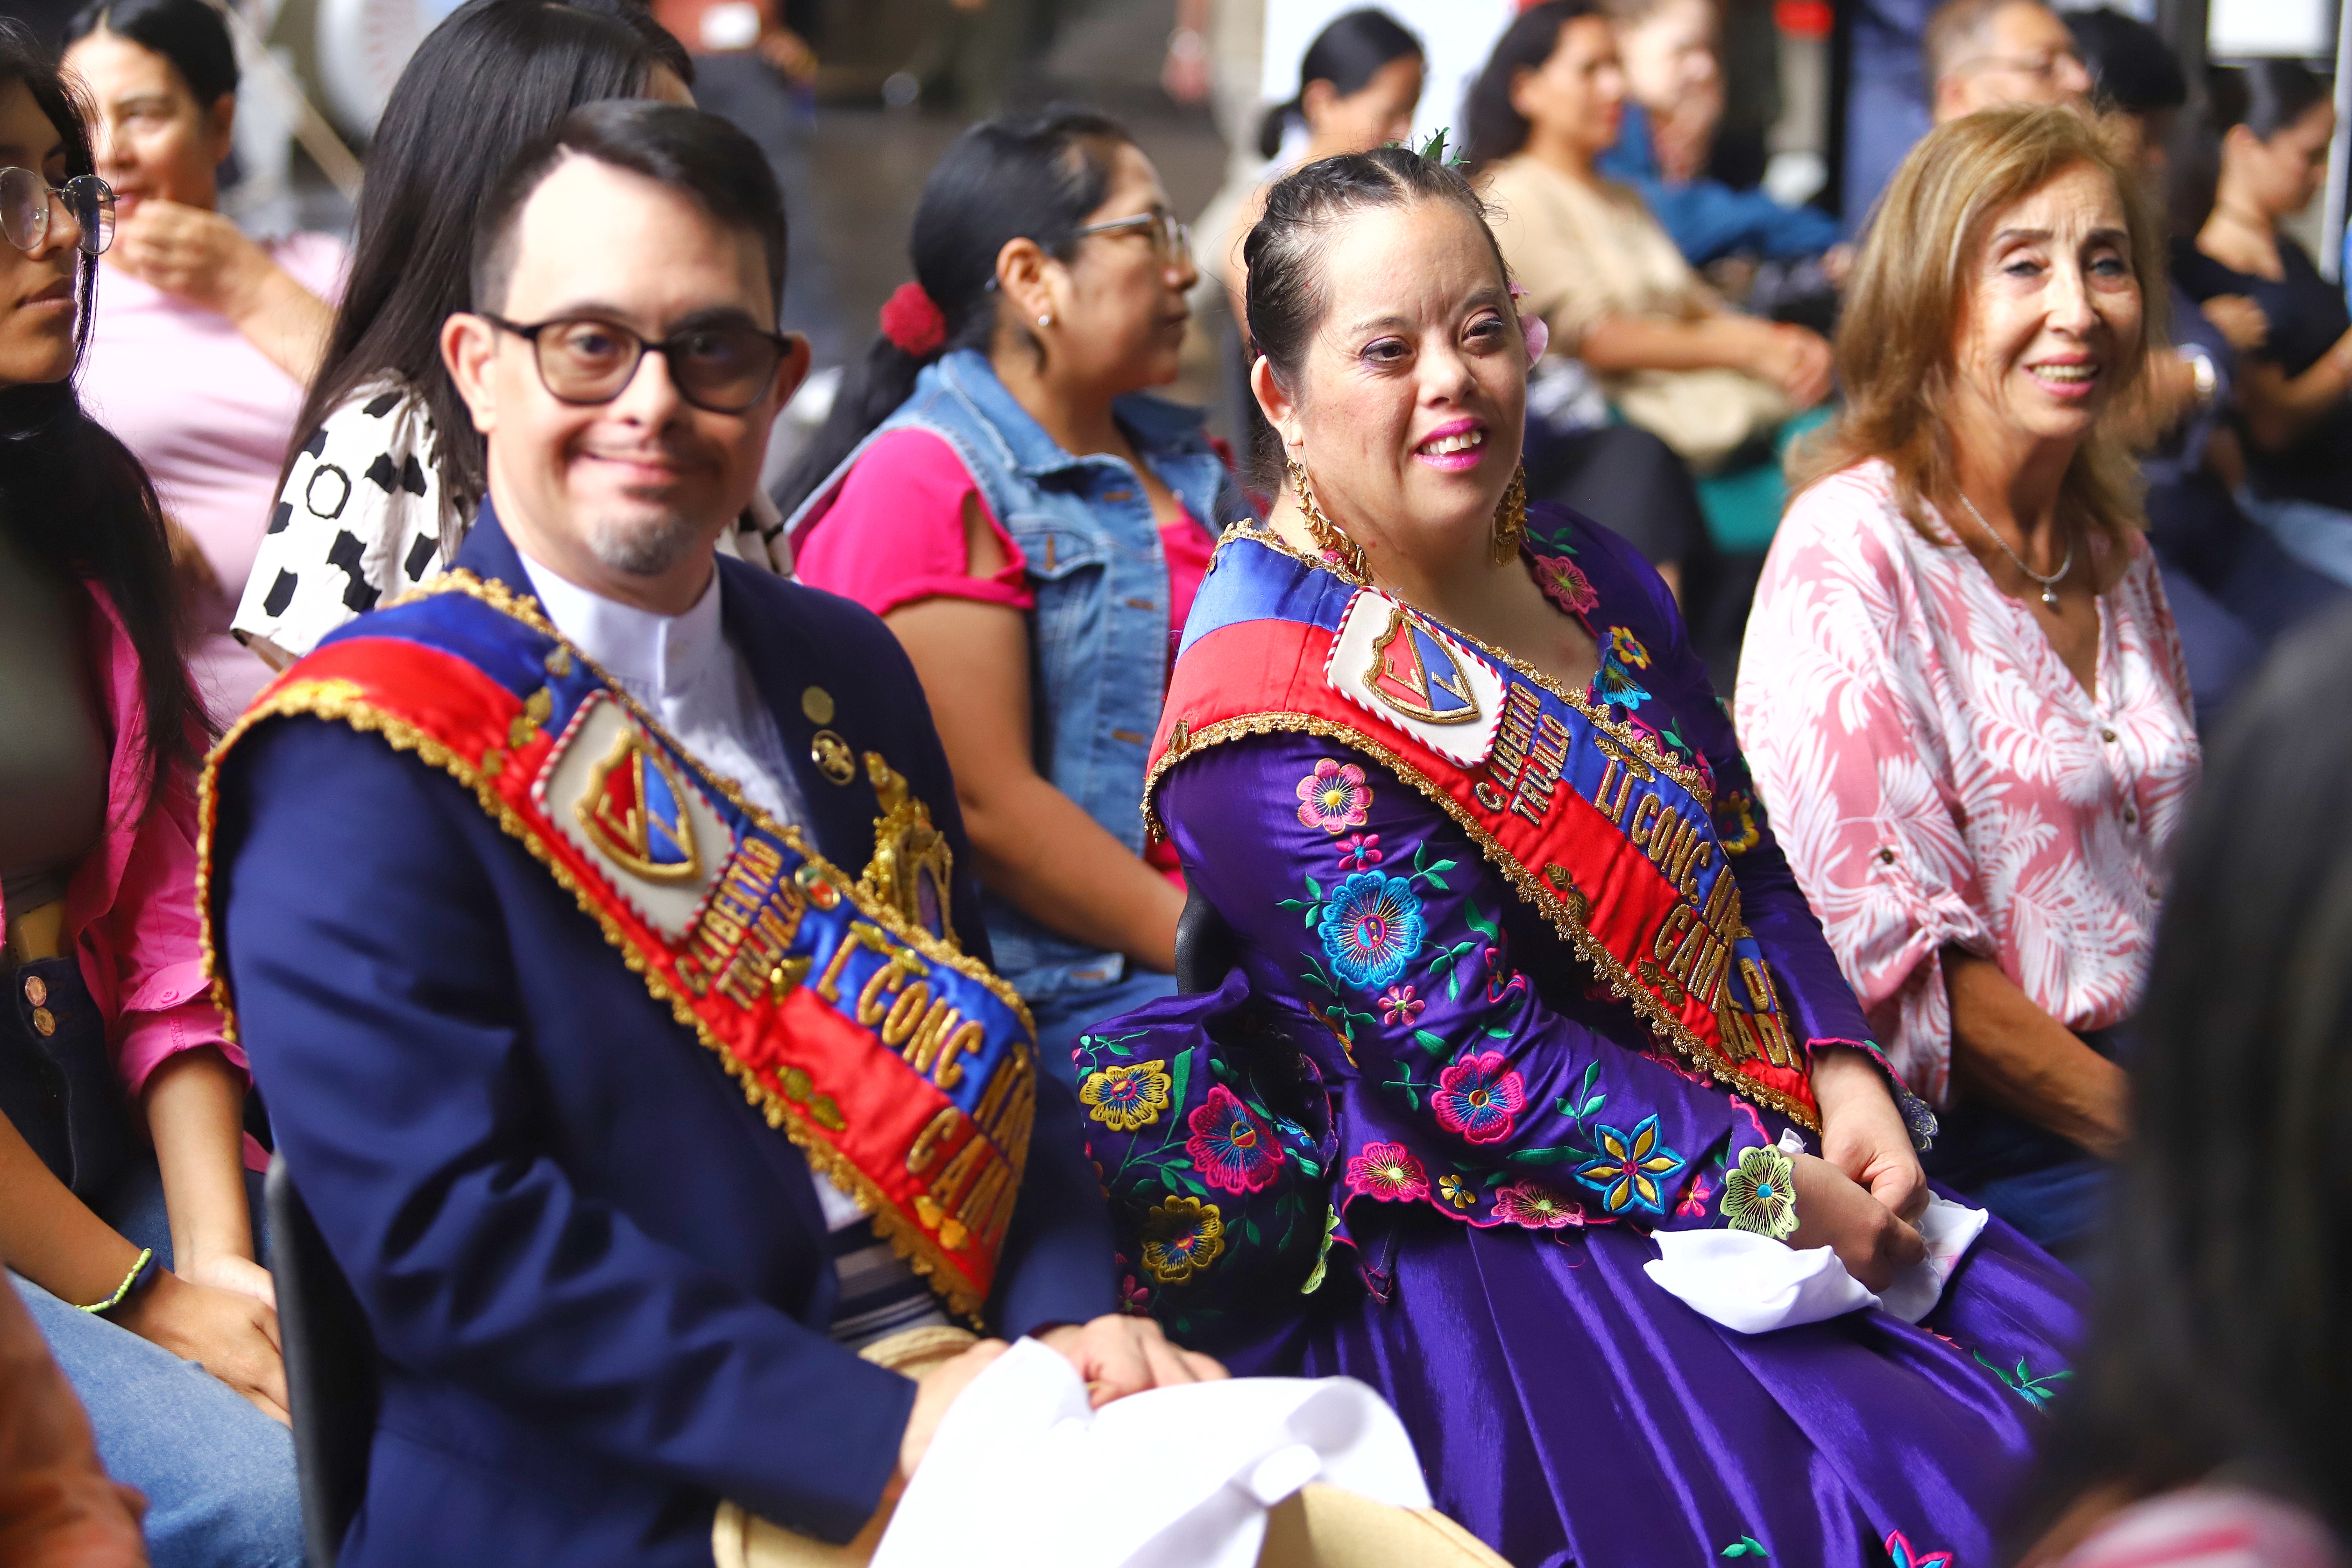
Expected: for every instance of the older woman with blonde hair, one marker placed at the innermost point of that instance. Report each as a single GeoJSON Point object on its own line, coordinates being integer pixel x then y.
{"type": "Point", "coordinates": [1963, 693]}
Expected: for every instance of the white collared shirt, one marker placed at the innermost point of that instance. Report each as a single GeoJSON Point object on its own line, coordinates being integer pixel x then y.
{"type": "Point", "coordinates": [686, 674]}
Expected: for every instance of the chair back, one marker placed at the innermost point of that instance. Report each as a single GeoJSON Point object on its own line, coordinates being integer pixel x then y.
{"type": "Point", "coordinates": [1206, 948]}
{"type": "Point", "coordinates": [330, 1379]}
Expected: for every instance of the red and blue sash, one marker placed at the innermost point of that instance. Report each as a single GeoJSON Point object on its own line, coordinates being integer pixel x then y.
{"type": "Point", "coordinates": [1604, 831]}
{"type": "Point", "coordinates": [902, 1069]}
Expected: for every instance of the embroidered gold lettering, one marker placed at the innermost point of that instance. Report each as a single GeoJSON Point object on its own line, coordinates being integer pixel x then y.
{"type": "Point", "coordinates": [690, 975]}
{"type": "Point", "coordinates": [980, 1202]}
{"type": "Point", "coordinates": [1611, 797]}
{"type": "Point", "coordinates": [885, 982]}
{"type": "Point", "coordinates": [935, 1131]}
{"type": "Point", "coordinates": [905, 1016]}
{"type": "Point", "coordinates": [966, 1038]}
{"type": "Point", "coordinates": [948, 1190]}
{"type": "Point", "coordinates": [723, 926]}
{"type": "Point", "coordinates": [1645, 812]}
{"type": "Point", "coordinates": [1694, 944]}
{"type": "Point", "coordinates": [862, 933]}
{"type": "Point", "coordinates": [1702, 856]}
{"type": "Point", "coordinates": [1707, 978]}
{"type": "Point", "coordinates": [1489, 796]}
{"type": "Point", "coordinates": [1670, 931]}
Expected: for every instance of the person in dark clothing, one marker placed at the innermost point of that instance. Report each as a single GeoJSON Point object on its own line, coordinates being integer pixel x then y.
{"type": "Point", "coordinates": [2275, 121]}
{"type": "Point", "coordinates": [2232, 588]}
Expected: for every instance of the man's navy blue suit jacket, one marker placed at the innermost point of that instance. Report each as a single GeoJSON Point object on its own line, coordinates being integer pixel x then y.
{"type": "Point", "coordinates": [598, 1280]}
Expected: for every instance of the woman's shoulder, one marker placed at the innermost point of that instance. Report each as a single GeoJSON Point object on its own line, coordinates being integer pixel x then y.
{"type": "Point", "coordinates": [314, 260]}
{"type": "Point", "coordinates": [1853, 507]}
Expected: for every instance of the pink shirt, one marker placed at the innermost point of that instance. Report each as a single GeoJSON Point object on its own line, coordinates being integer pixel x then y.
{"type": "Point", "coordinates": [1936, 775]}
{"type": "Point", "coordinates": [131, 905]}
{"type": "Point", "coordinates": [2209, 1527]}
{"type": "Point", "coordinates": [895, 535]}
{"type": "Point", "coordinates": [210, 416]}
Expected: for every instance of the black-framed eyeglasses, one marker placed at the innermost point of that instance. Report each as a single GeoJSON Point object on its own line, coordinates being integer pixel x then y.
{"type": "Point", "coordinates": [588, 359]}
{"type": "Point", "coordinates": [1168, 237]}
{"type": "Point", "coordinates": [26, 199]}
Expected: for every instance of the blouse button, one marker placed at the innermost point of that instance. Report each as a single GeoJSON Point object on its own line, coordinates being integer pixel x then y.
{"type": "Point", "coordinates": [45, 1021]}
{"type": "Point", "coordinates": [2131, 816]}
{"type": "Point", "coordinates": [36, 990]}
{"type": "Point", "coordinates": [1886, 856]}
{"type": "Point", "coordinates": [2106, 734]}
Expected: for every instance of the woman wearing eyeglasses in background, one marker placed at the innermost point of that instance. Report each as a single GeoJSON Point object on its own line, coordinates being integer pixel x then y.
{"type": "Point", "coordinates": [1035, 532]}
{"type": "Point", "coordinates": [204, 339]}
{"type": "Point", "coordinates": [133, 1262]}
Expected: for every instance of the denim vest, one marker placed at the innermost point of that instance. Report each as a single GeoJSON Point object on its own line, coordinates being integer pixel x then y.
{"type": "Point", "coordinates": [1098, 636]}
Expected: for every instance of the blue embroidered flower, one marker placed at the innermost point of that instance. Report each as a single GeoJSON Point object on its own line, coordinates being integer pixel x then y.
{"type": "Point", "coordinates": [1635, 1169]}
{"type": "Point", "coordinates": [1371, 926]}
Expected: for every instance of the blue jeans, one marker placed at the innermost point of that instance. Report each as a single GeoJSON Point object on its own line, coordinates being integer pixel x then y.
{"type": "Point", "coordinates": [2318, 536]}
{"type": "Point", "coordinates": [218, 1474]}
{"type": "Point", "coordinates": [1066, 1014]}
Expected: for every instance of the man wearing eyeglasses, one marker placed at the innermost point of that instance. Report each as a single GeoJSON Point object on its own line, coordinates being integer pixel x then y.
{"type": "Point", "coordinates": [631, 1108]}
{"type": "Point", "coordinates": [1983, 54]}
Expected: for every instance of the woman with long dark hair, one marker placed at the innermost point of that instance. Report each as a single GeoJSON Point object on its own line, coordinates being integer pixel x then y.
{"type": "Point", "coordinates": [2275, 121]}
{"type": "Point", "coordinates": [389, 471]}
{"type": "Point", "coordinates": [1034, 529]}
{"type": "Point", "coordinates": [135, 1263]}
{"type": "Point", "coordinates": [2215, 1393]}
{"type": "Point", "coordinates": [206, 340]}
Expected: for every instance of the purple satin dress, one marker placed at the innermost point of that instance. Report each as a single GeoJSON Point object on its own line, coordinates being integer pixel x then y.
{"type": "Point", "coordinates": [1472, 1142]}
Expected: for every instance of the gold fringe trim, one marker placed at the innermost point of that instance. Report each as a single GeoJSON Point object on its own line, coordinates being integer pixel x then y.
{"type": "Point", "coordinates": [342, 699]}
{"type": "Point", "coordinates": [1530, 886]}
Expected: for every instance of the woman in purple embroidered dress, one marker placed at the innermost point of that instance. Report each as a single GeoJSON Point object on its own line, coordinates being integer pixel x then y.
{"type": "Point", "coordinates": [1426, 1129]}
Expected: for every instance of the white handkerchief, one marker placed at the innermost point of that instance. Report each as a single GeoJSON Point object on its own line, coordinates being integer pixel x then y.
{"type": "Point", "coordinates": [1752, 1284]}
{"type": "Point", "coordinates": [1022, 1475]}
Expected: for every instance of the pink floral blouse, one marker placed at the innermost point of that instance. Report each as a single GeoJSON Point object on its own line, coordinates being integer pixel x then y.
{"type": "Point", "coordinates": [1935, 776]}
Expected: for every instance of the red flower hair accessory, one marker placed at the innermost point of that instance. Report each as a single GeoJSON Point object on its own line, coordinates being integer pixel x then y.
{"type": "Point", "coordinates": [912, 323]}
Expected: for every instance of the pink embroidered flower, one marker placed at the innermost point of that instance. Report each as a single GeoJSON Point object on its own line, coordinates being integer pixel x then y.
{"type": "Point", "coordinates": [1565, 583]}
{"type": "Point", "coordinates": [1537, 1206]}
{"type": "Point", "coordinates": [1334, 796]}
{"type": "Point", "coordinates": [1359, 852]}
{"type": "Point", "coordinates": [1694, 1203]}
{"type": "Point", "coordinates": [1133, 1298]}
{"type": "Point", "coordinates": [1480, 1098]}
{"type": "Point", "coordinates": [1385, 1172]}
{"type": "Point", "coordinates": [1231, 1149]}
{"type": "Point", "coordinates": [1400, 1006]}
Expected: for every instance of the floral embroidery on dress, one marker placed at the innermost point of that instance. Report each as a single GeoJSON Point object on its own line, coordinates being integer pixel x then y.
{"type": "Point", "coordinates": [1388, 1172]}
{"type": "Point", "coordinates": [1133, 1298]}
{"type": "Point", "coordinates": [1565, 584]}
{"type": "Point", "coordinates": [2035, 1391]}
{"type": "Point", "coordinates": [1126, 1098]}
{"type": "Point", "coordinates": [1903, 1555]}
{"type": "Point", "coordinates": [1181, 1238]}
{"type": "Point", "coordinates": [1479, 1098]}
{"type": "Point", "coordinates": [1334, 796]}
{"type": "Point", "coordinates": [1759, 1194]}
{"type": "Point", "coordinates": [1627, 649]}
{"type": "Point", "coordinates": [1620, 657]}
{"type": "Point", "coordinates": [1739, 821]}
{"type": "Point", "coordinates": [1633, 1168]}
{"type": "Point", "coordinates": [1359, 852]}
{"type": "Point", "coordinates": [1231, 1148]}
{"type": "Point", "coordinates": [1370, 927]}
{"type": "Point", "coordinates": [1323, 1258]}
{"type": "Point", "coordinates": [1457, 1191]}
{"type": "Point", "coordinates": [1398, 1005]}
{"type": "Point", "coordinates": [1537, 1206]}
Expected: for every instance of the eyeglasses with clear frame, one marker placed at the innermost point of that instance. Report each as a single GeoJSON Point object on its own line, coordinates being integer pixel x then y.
{"type": "Point", "coordinates": [1168, 237]}
{"type": "Point", "coordinates": [27, 200]}
{"type": "Point", "coordinates": [588, 359]}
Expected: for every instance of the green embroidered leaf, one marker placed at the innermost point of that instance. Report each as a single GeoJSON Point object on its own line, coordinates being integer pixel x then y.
{"type": "Point", "coordinates": [1180, 1075]}
{"type": "Point", "coordinates": [1444, 865]}
{"type": "Point", "coordinates": [1315, 888]}
{"type": "Point", "coordinates": [1249, 1229]}
{"type": "Point", "coordinates": [1745, 1546]}
{"type": "Point", "coordinates": [1481, 924]}
{"type": "Point", "coordinates": [1595, 1103]}
{"type": "Point", "coordinates": [1430, 1041]}
{"type": "Point", "coordinates": [1311, 1167]}
{"type": "Point", "coordinates": [1500, 1033]}
{"type": "Point", "coordinates": [1547, 1156]}
{"type": "Point", "coordinates": [1119, 1050]}
{"type": "Point", "coordinates": [1220, 1071]}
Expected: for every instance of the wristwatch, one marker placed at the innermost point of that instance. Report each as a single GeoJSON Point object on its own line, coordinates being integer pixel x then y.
{"type": "Point", "coordinates": [2201, 376]}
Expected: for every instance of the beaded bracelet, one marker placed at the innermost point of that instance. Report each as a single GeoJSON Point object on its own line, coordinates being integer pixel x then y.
{"type": "Point", "coordinates": [130, 1282]}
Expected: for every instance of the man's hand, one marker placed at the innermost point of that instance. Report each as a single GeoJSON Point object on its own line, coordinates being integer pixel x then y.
{"type": "Point", "coordinates": [934, 1392]}
{"type": "Point", "coordinates": [1863, 1133]}
{"type": "Point", "coordinates": [1119, 1355]}
{"type": "Point", "coordinates": [1832, 1212]}
{"type": "Point", "coordinates": [2240, 320]}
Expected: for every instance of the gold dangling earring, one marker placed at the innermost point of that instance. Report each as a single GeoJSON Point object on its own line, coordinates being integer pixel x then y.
{"type": "Point", "coordinates": [1342, 551]}
{"type": "Point", "coordinates": [1510, 519]}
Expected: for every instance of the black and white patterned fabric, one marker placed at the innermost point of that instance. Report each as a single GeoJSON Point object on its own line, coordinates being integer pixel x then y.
{"type": "Point", "coordinates": [361, 519]}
